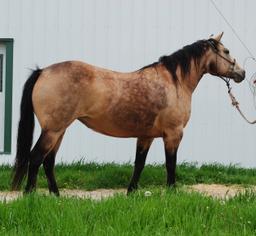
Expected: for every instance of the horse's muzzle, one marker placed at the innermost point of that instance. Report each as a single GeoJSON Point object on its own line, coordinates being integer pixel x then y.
{"type": "Point", "coordinates": [239, 76]}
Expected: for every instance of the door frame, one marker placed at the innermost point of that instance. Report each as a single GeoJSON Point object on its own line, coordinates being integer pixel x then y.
{"type": "Point", "coordinates": [8, 43]}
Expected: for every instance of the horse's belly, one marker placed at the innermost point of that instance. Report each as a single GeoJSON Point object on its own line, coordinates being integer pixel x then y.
{"type": "Point", "coordinates": [128, 128]}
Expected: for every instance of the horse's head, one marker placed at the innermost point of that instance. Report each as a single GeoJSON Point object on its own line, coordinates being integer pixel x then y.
{"type": "Point", "coordinates": [221, 63]}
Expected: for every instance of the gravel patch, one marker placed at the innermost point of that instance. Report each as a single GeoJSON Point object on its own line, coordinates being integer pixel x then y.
{"type": "Point", "coordinates": [220, 191]}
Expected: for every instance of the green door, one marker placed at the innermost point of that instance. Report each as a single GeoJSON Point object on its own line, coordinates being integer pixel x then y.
{"type": "Point", "coordinates": [2, 95]}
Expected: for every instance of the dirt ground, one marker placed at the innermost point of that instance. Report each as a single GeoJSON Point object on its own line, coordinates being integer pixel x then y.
{"type": "Point", "coordinates": [219, 191]}
{"type": "Point", "coordinates": [215, 190]}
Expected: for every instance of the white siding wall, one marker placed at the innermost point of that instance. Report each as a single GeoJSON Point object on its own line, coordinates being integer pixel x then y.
{"type": "Point", "coordinates": [126, 35]}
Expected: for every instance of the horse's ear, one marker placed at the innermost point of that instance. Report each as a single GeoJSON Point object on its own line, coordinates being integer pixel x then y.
{"type": "Point", "coordinates": [218, 37]}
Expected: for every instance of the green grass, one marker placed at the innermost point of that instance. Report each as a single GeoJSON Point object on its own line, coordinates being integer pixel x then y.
{"type": "Point", "coordinates": [92, 176]}
{"type": "Point", "coordinates": [165, 212]}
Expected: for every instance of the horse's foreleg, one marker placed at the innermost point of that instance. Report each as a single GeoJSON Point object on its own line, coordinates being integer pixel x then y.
{"type": "Point", "coordinates": [171, 160]}
{"type": "Point", "coordinates": [143, 145]}
{"type": "Point", "coordinates": [43, 147]}
{"type": "Point", "coordinates": [48, 164]}
{"type": "Point", "coordinates": [171, 143]}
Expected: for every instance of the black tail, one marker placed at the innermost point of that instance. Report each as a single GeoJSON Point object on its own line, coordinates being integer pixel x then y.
{"type": "Point", "coordinates": [25, 131]}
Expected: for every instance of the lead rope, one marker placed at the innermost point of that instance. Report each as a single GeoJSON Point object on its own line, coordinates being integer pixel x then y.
{"type": "Point", "coordinates": [234, 102]}
{"type": "Point", "coordinates": [232, 97]}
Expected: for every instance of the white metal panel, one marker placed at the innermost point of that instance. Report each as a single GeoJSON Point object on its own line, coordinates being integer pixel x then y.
{"type": "Point", "coordinates": [126, 35]}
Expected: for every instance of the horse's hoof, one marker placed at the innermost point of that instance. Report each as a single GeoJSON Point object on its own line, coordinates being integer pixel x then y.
{"type": "Point", "coordinates": [29, 189]}
{"type": "Point", "coordinates": [172, 187]}
{"type": "Point", "coordinates": [55, 193]}
{"type": "Point", "coordinates": [26, 192]}
{"type": "Point", "coordinates": [131, 189]}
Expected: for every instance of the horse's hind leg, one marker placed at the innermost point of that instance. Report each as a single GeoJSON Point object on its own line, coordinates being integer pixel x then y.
{"type": "Point", "coordinates": [143, 146]}
{"type": "Point", "coordinates": [43, 147]}
{"type": "Point", "coordinates": [48, 164]}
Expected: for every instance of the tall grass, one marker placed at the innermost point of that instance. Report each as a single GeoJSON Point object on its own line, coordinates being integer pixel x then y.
{"type": "Point", "coordinates": [91, 175]}
{"type": "Point", "coordinates": [163, 213]}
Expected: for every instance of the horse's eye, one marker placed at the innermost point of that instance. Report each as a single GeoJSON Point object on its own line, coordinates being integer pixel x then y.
{"type": "Point", "coordinates": [226, 51]}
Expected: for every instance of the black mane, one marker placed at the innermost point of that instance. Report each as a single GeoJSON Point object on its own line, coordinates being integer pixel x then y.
{"type": "Point", "coordinates": [184, 56]}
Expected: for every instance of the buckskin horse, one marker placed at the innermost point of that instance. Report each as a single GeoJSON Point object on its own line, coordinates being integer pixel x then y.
{"type": "Point", "coordinates": [154, 101]}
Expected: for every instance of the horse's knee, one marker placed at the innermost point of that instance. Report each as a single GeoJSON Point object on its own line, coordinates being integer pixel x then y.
{"type": "Point", "coordinates": [143, 144]}
{"type": "Point", "coordinates": [172, 139]}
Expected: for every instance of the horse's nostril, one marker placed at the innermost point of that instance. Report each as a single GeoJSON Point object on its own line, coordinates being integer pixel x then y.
{"type": "Point", "coordinates": [243, 74]}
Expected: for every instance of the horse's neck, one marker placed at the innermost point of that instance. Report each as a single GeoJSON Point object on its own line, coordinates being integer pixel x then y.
{"type": "Point", "coordinates": [195, 75]}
